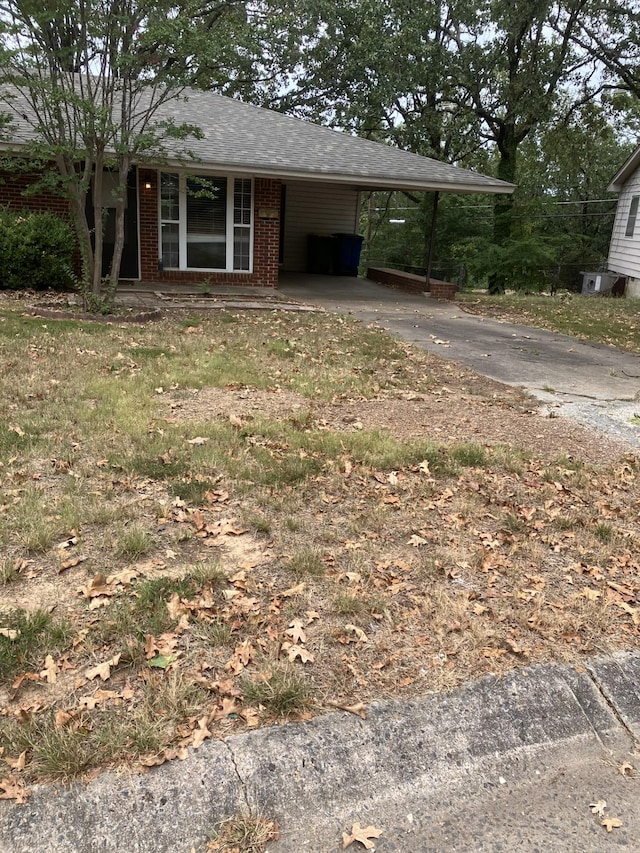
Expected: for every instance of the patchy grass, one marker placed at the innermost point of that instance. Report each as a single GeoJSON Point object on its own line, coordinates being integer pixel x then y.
{"type": "Point", "coordinates": [607, 321]}
{"type": "Point", "coordinates": [214, 522]}
{"type": "Point", "coordinates": [242, 833]}
{"type": "Point", "coordinates": [279, 688]}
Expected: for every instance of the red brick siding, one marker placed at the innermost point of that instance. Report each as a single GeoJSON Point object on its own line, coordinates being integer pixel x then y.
{"type": "Point", "coordinates": [396, 278]}
{"type": "Point", "coordinates": [412, 283]}
{"type": "Point", "coordinates": [11, 195]}
{"type": "Point", "coordinates": [265, 247]}
{"type": "Point", "coordinates": [266, 231]}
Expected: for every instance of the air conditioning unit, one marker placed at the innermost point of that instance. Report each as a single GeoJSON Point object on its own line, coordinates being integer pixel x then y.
{"type": "Point", "coordinates": [595, 283]}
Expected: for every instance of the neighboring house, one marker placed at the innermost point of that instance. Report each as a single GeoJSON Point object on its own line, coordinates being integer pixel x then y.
{"type": "Point", "coordinates": [276, 180]}
{"type": "Point", "coordinates": [624, 251]}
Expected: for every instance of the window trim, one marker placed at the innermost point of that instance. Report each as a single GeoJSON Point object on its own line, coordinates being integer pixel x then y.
{"type": "Point", "coordinates": [230, 224]}
{"type": "Point", "coordinates": [632, 216]}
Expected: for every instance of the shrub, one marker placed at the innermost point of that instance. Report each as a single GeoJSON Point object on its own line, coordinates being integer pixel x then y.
{"type": "Point", "coordinates": [36, 251]}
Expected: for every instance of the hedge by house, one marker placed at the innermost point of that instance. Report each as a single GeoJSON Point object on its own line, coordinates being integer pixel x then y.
{"type": "Point", "coordinates": [36, 251]}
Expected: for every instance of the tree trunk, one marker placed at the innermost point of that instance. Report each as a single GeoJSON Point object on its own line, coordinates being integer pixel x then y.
{"type": "Point", "coordinates": [121, 206]}
{"type": "Point", "coordinates": [98, 224]}
{"type": "Point", "coordinates": [503, 203]}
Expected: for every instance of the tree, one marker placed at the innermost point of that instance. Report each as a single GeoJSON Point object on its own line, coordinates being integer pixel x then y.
{"type": "Point", "coordinates": [90, 79]}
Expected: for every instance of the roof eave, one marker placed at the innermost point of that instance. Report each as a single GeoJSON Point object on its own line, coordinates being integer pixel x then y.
{"type": "Point", "coordinates": [624, 172]}
{"type": "Point", "coordinates": [361, 182]}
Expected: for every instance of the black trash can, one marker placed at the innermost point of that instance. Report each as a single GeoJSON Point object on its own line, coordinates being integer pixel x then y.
{"type": "Point", "coordinates": [320, 254]}
{"type": "Point", "coordinates": [346, 258]}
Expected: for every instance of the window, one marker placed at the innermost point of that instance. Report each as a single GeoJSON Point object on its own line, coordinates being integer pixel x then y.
{"type": "Point", "coordinates": [205, 222]}
{"type": "Point", "coordinates": [633, 212]}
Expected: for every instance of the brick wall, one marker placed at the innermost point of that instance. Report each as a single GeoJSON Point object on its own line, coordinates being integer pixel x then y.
{"type": "Point", "coordinates": [12, 188]}
{"type": "Point", "coordinates": [412, 283]}
{"type": "Point", "coordinates": [406, 281]}
{"type": "Point", "coordinates": [265, 248]}
{"type": "Point", "coordinates": [266, 229]}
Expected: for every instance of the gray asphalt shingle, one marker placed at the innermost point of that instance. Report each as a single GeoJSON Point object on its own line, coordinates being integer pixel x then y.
{"type": "Point", "coordinates": [241, 137]}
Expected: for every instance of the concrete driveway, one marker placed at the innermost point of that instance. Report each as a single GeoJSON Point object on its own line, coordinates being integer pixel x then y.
{"type": "Point", "coordinates": [595, 384]}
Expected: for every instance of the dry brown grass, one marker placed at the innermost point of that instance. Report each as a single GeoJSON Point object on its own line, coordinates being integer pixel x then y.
{"type": "Point", "coordinates": [230, 518]}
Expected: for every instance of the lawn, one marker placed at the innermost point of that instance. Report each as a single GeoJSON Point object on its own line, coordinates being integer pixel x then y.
{"type": "Point", "coordinates": [214, 522]}
{"type": "Point", "coordinates": [607, 321]}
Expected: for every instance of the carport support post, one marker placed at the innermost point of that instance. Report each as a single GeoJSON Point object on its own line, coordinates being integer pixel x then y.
{"type": "Point", "coordinates": [432, 238]}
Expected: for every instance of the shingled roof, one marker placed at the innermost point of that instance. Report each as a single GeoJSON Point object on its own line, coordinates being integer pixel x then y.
{"type": "Point", "coordinates": [243, 138]}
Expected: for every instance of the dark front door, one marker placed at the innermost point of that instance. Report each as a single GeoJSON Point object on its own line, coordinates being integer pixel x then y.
{"type": "Point", "coordinates": [129, 267]}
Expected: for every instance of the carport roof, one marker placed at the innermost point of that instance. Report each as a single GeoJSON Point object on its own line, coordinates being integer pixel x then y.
{"type": "Point", "coordinates": [242, 138]}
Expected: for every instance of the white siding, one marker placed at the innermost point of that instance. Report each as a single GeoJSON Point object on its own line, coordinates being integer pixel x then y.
{"type": "Point", "coordinates": [624, 252]}
{"type": "Point", "coordinates": [315, 208]}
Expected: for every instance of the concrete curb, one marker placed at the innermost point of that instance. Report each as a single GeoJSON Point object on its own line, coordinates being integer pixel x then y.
{"type": "Point", "coordinates": [313, 776]}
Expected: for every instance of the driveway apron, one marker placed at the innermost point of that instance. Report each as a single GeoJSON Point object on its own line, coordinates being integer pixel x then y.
{"type": "Point", "coordinates": [598, 385]}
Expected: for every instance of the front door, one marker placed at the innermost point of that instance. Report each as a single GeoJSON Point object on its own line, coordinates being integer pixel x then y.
{"type": "Point", "coordinates": [129, 267]}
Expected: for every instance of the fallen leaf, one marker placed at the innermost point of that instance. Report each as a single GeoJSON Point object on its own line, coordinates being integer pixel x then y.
{"type": "Point", "coordinates": [358, 708]}
{"type": "Point", "coordinates": [17, 763]}
{"type": "Point", "coordinates": [294, 590]}
{"type": "Point", "coordinates": [198, 441]}
{"type": "Point", "coordinates": [162, 661]}
{"type": "Point", "coordinates": [298, 652]}
{"type": "Point", "coordinates": [12, 789]}
{"type": "Point", "coordinates": [296, 631]}
{"type": "Point", "coordinates": [50, 671]}
{"type": "Point", "coordinates": [360, 634]}
{"type": "Point", "coordinates": [62, 718]}
{"type": "Point", "coordinates": [598, 808]}
{"type": "Point", "coordinates": [201, 733]}
{"type": "Point", "coordinates": [626, 769]}
{"type": "Point", "coordinates": [9, 633]}
{"type": "Point", "coordinates": [361, 834]}
{"type": "Point", "coordinates": [611, 823]}
{"type": "Point", "coordinates": [103, 669]}
{"type": "Point", "coordinates": [416, 541]}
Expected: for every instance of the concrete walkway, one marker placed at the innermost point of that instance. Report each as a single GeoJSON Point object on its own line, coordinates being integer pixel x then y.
{"type": "Point", "coordinates": [596, 384]}
{"type": "Point", "coordinates": [498, 765]}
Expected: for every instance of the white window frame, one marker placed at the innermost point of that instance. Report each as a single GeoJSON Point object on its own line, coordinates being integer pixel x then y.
{"type": "Point", "coordinates": [632, 216]}
{"type": "Point", "coordinates": [182, 222]}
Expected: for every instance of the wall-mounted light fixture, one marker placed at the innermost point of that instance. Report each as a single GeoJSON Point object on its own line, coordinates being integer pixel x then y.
{"type": "Point", "coordinates": [147, 185]}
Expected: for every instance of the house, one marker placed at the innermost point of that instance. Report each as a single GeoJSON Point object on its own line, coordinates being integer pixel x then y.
{"type": "Point", "coordinates": [624, 250]}
{"type": "Point", "coordinates": [275, 180]}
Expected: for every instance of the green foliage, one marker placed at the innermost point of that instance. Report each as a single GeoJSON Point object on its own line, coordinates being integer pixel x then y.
{"type": "Point", "coordinates": [520, 262]}
{"type": "Point", "coordinates": [36, 251]}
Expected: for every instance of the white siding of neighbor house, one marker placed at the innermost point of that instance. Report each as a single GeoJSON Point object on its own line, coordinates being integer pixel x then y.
{"type": "Point", "coordinates": [624, 252]}
{"type": "Point", "coordinates": [315, 208]}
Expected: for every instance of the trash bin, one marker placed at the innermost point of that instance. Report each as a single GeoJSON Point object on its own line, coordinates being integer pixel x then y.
{"type": "Point", "coordinates": [346, 258]}
{"type": "Point", "coordinates": [320, 254]}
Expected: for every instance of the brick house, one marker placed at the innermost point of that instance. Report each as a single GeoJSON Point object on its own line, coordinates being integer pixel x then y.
{"type": "Point", "coordinates": [270, 180]}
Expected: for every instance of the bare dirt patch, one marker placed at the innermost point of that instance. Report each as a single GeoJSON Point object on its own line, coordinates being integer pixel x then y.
{"type": "Point", "coordinates": [462, 407]}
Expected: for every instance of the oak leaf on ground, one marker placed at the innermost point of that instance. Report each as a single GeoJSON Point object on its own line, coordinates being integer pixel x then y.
{"type": "Point", "coordinates": [12, 789]}
{"type": "Point", "coordinates": [361, 834]}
